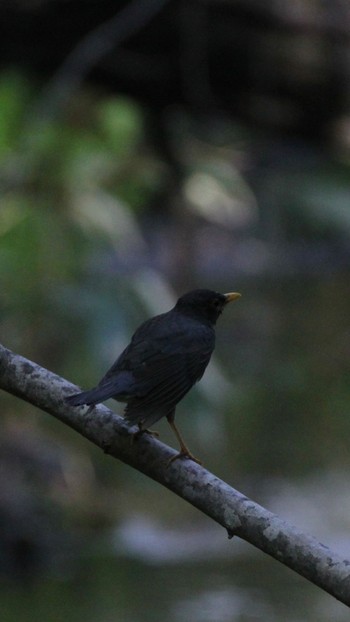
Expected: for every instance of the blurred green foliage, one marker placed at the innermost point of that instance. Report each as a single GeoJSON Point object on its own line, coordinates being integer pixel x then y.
{"type": "Point", "coordinates": [72, 191]}
{"type": "Point", "coordinates": [62, 181]}
{"type": "Point", "coordinates": [73, 286]}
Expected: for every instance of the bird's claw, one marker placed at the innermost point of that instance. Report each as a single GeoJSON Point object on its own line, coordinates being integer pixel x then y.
{"type": "Point", "coordinates": [184, 454]}
{"type": "Point", "coordinates": [136, 435]}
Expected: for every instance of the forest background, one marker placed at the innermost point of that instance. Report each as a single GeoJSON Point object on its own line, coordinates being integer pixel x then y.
{"type": "Point", "coordinates": [148, 148]}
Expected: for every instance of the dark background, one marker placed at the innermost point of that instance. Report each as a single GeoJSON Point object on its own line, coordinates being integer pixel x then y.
{"type": "Point", "coordinates": [146, 149]}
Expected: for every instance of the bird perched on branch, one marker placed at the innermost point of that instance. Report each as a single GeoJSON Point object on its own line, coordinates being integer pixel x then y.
{"type": "Point", "coordinates": [166, 356]}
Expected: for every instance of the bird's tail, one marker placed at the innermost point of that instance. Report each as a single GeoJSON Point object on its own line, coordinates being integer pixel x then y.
{"type": "Point", "coordinates": [117, 386]}
{"type": "Point", "coordinates": [93, 396]}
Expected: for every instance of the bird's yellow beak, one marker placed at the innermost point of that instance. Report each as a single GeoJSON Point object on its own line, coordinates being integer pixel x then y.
{"type": "Point", "coordinates": [232, 296]}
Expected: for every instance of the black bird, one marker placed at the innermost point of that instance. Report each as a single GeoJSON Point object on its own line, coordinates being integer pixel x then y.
{"type": "Point", "coordinates": [166, 356]}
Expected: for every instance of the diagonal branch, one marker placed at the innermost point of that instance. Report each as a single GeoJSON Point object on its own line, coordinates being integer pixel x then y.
{"type": "Point", "coordinates": [228, 507]}
{"type": "Point", "coordinates": [91, 49]}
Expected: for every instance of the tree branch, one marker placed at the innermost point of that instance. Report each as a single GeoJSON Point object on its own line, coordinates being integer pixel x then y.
{"type": "Point", "coordinates": [239, 515]}
{"type": "Point", "coordinates": [91, 48]}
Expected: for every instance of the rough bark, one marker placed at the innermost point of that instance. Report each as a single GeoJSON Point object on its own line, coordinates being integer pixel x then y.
{"type": "Point", "coordinates": [239, 515]}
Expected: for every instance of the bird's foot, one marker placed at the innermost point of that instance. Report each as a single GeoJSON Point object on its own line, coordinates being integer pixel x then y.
{"type": "Point", "coordinates": [184, 454]}
{"type": "Point", "coordinates": [136, 435]}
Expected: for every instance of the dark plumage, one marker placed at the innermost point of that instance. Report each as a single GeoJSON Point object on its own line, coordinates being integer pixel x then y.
{"type": "Point", "coordinates": [166, 356]}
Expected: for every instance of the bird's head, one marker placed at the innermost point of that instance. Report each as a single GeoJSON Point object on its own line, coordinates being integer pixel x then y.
{"type": "Point", "coordinates": [204, 304]}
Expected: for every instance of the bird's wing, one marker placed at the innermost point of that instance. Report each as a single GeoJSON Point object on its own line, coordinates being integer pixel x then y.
{"type": "Point", "coordinates": [165, 357]}
{"type": "Point", "coordinates": [164, 378]}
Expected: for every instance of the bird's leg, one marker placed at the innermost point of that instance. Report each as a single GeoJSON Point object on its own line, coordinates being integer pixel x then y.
{"type": "Point", "coordinates": [141, 430]}
{"type": "Point", "coordinates": [184, 451]}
